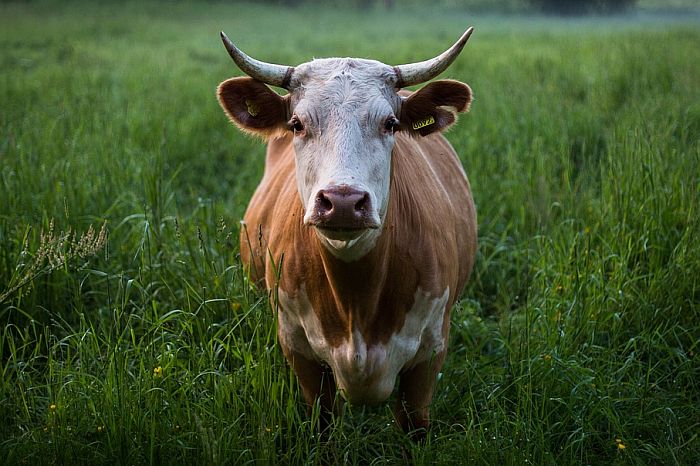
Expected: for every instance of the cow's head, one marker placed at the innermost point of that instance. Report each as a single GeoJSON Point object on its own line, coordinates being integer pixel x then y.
{"type": "Point", "coordinates": [343, 114]}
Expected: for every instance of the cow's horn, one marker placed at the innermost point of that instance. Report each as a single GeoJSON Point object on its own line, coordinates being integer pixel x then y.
{"type": "Point", "coordinates": [417, 73]}
{"type": "Point", "coordinates": [274, 75]}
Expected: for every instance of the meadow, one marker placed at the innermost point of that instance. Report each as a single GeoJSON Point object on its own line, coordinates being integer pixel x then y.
{"type": "Point", "coordinates": [130, 334]}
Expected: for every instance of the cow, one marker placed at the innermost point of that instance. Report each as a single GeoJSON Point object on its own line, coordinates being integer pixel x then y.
{"type": "Point", "coordinates": [363, 227]}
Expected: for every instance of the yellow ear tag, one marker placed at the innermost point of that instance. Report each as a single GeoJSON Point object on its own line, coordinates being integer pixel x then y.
{"type": "Point", "coordinates": [253, 109]}
{"type": "Point", "coordinates": [423, 123]}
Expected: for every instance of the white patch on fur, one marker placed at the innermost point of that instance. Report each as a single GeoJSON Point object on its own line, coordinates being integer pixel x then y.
{"type": "Point", "coordinates": [343, 104]}
{"type": "Point", "coordinates": [365, 375]}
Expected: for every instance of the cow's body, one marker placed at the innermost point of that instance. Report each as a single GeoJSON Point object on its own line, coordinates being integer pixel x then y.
{"type": "Point", "coordinates": [363, 225]}
{"type": "Point", "coordinates": [372, 318]}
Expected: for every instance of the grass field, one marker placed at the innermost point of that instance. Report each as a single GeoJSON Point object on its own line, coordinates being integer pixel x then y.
{"type": "Point", "coordinates": [576, 342]}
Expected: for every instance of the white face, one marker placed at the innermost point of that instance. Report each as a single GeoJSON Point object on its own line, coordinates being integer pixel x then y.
{"type": "Point", "coordinates": [343, 111]}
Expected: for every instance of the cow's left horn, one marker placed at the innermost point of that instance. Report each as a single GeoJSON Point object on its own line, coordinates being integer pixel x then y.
{"type": "Point", "coordinates": [417, 73]}
{"type": "Point", "coordinates": [269, 73]}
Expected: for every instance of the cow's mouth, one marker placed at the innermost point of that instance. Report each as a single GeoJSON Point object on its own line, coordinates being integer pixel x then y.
{"type": "Point", "coordinates": [341, 233]}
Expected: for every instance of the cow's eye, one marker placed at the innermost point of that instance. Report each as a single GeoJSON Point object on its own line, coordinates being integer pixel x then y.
{"type": "Point", "coordinates": [296, 125]}
{"type": "Point", "coordinates": [391, 125]}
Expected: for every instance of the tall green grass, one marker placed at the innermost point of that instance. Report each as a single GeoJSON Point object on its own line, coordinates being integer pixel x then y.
{"type": "Point", "coordinates": [576, 341]}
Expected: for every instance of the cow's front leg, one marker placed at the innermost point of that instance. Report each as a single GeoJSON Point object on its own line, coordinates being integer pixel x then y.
{"type": "Point", "coordinates": [317, 383]}
{"type": "Point", "coordinates": [416, 386]}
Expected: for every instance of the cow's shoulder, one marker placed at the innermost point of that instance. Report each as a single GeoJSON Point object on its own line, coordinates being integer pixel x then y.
{"type": "Point", "coordinates": [275, 198]}
{"type": "Point", "coordinates": [432, 212]}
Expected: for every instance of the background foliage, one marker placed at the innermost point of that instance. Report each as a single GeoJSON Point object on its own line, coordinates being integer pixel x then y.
{"type": "Point", "coordinates": [575, 342]}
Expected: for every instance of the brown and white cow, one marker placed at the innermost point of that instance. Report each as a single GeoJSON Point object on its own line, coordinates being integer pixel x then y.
{"type": "Point", "coordinates": [363, 223]}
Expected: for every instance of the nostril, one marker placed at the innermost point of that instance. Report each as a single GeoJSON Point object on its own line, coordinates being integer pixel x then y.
{"type": "Point", "coordinates": [323, 204]}
{"type": "Point", "coordinates": [362, 204]}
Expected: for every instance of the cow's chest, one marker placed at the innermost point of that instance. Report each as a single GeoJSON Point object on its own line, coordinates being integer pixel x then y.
{"type": "Point", "coordinates": [365, 371]}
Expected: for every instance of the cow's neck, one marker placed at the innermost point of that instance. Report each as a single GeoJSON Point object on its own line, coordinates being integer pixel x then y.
{"type": "Point", "coordinates": [356, 284]}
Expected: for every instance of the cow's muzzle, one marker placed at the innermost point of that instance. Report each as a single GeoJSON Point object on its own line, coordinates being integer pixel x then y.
{"type": "Point", "coordinates": [342, 209]}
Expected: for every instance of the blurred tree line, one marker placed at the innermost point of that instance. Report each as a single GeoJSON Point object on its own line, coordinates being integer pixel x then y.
{"type": "Point", "coordinates": [563, 7]}
{"type": "Point", "coordinates": [569, 7]}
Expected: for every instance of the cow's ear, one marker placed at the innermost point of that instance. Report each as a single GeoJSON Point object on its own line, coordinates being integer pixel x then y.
{"type": "Point", "coordinates": [253, 107]}
{"type": "Point", "coordinates": [434, 107]}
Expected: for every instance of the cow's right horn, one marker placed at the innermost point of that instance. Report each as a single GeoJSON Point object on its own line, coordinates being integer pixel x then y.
{"type": "Point", "coordinates": [269, 73]}
{"type": "Point", "coordinates": [417, 73]}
